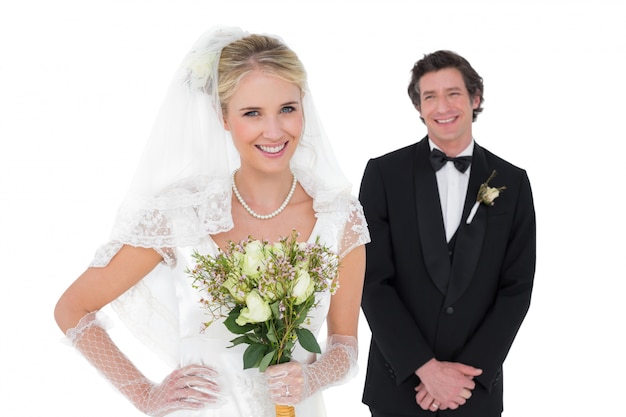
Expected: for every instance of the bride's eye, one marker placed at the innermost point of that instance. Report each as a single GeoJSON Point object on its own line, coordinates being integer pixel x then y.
{"type": "Point", "coordinates": [288, 109]}
{"type": "Point", "coordinates": [251, 113]}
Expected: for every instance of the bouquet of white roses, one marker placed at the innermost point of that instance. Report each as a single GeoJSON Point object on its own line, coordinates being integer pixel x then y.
{"type": "Point", "coordinates": [265, 291]}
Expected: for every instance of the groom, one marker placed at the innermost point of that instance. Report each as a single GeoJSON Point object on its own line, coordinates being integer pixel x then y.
{"type": "Point", "coordinates": [447, 285]}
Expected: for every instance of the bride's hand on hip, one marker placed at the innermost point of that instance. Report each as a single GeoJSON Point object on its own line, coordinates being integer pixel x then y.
{"type": "Point", "coordinates": [189, 388]}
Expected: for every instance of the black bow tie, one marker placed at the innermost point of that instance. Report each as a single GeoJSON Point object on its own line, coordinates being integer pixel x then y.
{"type": "Point", "coordinates": [438, 159]}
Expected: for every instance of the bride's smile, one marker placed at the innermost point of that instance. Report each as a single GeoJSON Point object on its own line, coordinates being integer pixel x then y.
{"type": "Point", "coordinates": [274, 149]}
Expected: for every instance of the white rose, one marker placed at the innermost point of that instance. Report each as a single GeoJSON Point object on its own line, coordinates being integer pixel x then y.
{"type": "Point", "coordinates": [303, 286]}
{"type": "Point", "coordinates": [256, 310]}
{"type": "Point", "coordinates": [490, 195]}
{"type": "Point", "coordinates": [233, 286]}
{"type": "Point", "coordinates": [200, 70]}
{"type": "Point", "coordinates": [273, 292]}
{"type": "Point", "coordinates": [278, 249]}
{"type": "Point", "coordinates": [201, 67]}
{"type": "Point", "coordinates": [253, 259]}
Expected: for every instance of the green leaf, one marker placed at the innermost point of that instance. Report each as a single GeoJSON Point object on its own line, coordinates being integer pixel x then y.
{"type": "Point", "coordinates": [234, 327]}
{"type": "Point", "coordinates": [253, 355]}
{"type": "Point", "coordinates": [303, 309]}
{"type": "Point", "coordinates": [279, 325]}
{"type": "Point", "coordinates": [271, 336]}
{"type": "Point", "coordinates": [258, 335]}
{"type": "Point", "coordinates": [289, 346]}
{"type": "Point", "coordinates": [239, 340]}
{"type": "Point", "coordinates": [307, 340]}
{"type": "Point", "coordinates": [266, 361]}
{"type": "Point", "coordinates": [275, 311]}
{"type": "Point", "coordinates": [300, 318]}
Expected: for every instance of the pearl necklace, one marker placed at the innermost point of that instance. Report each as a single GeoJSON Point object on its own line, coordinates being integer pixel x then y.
{"type": "Point", "coordinates": [264, 216]}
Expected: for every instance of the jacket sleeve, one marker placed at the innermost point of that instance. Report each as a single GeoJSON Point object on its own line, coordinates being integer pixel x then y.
{"type": "Point", "coordinates": [492, 340]}
{"type": "Point", "coordinates": [394, 330]}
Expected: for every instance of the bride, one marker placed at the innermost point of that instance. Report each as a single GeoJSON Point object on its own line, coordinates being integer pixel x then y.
{"type": "Point", "coordinates": [237, 150]}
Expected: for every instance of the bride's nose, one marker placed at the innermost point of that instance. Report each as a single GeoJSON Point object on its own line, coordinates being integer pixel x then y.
{"type": "Point", "coordinates": [272, 128]}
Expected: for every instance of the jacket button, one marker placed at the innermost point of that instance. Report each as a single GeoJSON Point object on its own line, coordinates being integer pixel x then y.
{"type": "Point", "coordinates": [450, 310]}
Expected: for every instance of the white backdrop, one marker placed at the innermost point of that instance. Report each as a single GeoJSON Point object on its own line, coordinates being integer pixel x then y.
{"type": "Point", "coordinates": [80, 83]}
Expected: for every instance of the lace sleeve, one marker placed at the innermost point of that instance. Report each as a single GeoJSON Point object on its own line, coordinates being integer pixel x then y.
{"type": "Point", "coordinates": [355, 231]}
{"type": "Point", "coordinates": [106, 252]}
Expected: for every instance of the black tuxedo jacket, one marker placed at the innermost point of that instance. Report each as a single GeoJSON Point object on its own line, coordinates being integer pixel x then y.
{"type": "Point", "coordinates": [418, 302]}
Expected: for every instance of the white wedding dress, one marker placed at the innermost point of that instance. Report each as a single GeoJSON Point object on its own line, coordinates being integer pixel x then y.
{"type": "Point", "coordinates": [164, 312]}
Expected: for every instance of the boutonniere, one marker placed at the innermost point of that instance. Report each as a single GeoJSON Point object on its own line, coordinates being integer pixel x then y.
{"type": "Point", "coordinates": [486, 195]}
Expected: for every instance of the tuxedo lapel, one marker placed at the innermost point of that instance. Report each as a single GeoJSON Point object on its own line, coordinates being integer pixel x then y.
{"type": "Point", "coordinates": [469, 236]}
{"type": "Point", "coordinates": [430, 220]}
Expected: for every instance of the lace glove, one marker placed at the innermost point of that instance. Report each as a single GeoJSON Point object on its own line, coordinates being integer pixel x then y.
{"type": "Point", "coordinates": [289, 383]}
{"type": "Point", "coordinates": [190, 388]}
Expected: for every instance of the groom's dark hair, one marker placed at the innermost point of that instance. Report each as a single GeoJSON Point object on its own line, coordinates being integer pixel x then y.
{"type": "Point", "coordinates": [446, 59]}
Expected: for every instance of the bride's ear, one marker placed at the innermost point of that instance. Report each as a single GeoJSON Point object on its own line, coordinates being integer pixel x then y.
{"type": "Point", "coordinates": [225, 123]}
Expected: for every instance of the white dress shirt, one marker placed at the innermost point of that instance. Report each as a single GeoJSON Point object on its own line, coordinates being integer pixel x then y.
{"type": "Point", "coordinates": [452, 186]}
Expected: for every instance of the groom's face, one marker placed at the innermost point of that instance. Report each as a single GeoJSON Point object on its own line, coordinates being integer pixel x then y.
{"type": "Point", "coordinates": [447, 108]}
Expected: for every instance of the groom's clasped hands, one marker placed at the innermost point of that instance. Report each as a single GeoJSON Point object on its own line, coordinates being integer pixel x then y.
{"type": "Point", "coordinates": [444, 385]}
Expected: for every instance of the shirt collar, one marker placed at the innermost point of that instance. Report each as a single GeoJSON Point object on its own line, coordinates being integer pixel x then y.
{"type": "Point", "coordinates": [469, 151]}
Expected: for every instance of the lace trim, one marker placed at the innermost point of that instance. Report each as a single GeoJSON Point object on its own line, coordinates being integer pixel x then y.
{"type": "Point", "coordinates": [95, 318]}
{"type": "Point", "coordinates": [106, 252]}
{"type": "Point", "coordinates": [355, 232]}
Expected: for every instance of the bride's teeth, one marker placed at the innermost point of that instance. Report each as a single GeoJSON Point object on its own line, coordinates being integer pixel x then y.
{"type": "Point", "coordinates": [272, 149]}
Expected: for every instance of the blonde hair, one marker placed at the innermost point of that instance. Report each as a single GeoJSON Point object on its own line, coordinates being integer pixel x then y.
{"type": "Point", "coordinates": [256, 52]}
